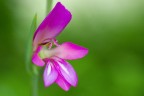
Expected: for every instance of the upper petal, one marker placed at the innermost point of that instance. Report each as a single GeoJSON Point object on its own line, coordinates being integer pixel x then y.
{"type": "Point", "coordinates": [69, 51]}
{"type": "Point", "coordinates": [36, 59]}
{"type": "Point", "coordinates": [63, 83]}
{"type": "Point", "coordinates": [52, 25]}
{"type": "Point", "coordinates": [50, 74]}
{"type": "Point", "coordinates": [66, 71]}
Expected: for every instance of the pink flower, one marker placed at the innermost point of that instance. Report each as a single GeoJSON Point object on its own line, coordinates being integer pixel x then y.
{"type": "Point", "coordinates": [57, 69]}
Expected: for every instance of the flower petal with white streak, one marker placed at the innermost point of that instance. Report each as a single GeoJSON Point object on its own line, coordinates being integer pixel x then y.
{"type": "Point", "coordinates": [50, 74]}
{"type": "Point", "coordinates": [66, 71]}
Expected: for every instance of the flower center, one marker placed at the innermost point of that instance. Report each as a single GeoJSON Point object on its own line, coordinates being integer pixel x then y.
{"type": "Point", "coordinates": [46, 51]}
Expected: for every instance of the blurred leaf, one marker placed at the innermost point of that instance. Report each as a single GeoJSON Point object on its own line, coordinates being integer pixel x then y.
{"type": "Point", "coordinates": [29, 45]}
{"type": "Point", "coordinates": [49, 6]}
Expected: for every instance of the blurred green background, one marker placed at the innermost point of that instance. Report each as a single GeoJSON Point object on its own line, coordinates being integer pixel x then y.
{"type": "Point", "coordinates": [112, 30]}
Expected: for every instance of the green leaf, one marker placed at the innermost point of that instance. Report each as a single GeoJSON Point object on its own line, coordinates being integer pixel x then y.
{"type": "Point", "coordinates": [29, 65]}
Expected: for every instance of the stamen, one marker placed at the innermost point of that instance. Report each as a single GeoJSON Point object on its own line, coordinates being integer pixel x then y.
{"type": "Point", "coordinates": [50, 46]}
{"type": "Point", "coordinates": [48, 43]}
{"type": "Point", "coordinates": [55, 42]}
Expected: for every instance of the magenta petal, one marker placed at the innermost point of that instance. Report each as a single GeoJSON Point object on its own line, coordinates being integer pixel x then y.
{"type": "Point", "coordinates": [53, 24]}
{"type": "Point", "coordinates": [63, 83]}
{"type": "Point", "coordinates": [66, 71]}
{"type": "Point", "coordinates": [50, 74]}
{"type": "Point", "coordinates": [70, 51]}
{"type": "Point", "coordinates": [36, 59]}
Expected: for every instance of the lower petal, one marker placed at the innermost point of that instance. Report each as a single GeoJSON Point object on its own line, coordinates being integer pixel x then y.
{"type": "Point", "coordinates": [63, 83]}
{"type": "Point", "coordinates": [66, 71]}
{"type": "Point", "coordinates": [50, 74]}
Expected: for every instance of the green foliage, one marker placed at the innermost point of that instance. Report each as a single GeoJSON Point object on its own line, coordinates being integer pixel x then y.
{"type": "Point", "coordinates": [29, 66]}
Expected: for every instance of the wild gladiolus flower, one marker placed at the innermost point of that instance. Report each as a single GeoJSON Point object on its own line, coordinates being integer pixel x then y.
{"type": "Point", "coordinates": [57, 69]}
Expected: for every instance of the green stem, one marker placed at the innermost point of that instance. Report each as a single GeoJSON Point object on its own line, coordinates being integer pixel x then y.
{"type": "Point", "coordinates": [35, 79]}
{"type": "Point", "coordinates": [48, 6]}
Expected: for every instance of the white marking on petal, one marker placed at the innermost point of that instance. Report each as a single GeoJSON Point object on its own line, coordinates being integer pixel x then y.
{"type": "Point", "coordinates": [49, 69]}
{"type": "Point", "coordinates": [63, 67]}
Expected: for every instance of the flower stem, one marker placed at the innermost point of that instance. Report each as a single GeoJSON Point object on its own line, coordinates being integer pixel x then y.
{"type": "Point", "coordinates": [35, 79]}
{"type": "Point", "coordinates": [48, 6]}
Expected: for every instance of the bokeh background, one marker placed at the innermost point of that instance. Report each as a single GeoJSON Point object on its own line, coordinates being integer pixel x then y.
{"type": "Point", "coordinates": [112, 30]}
